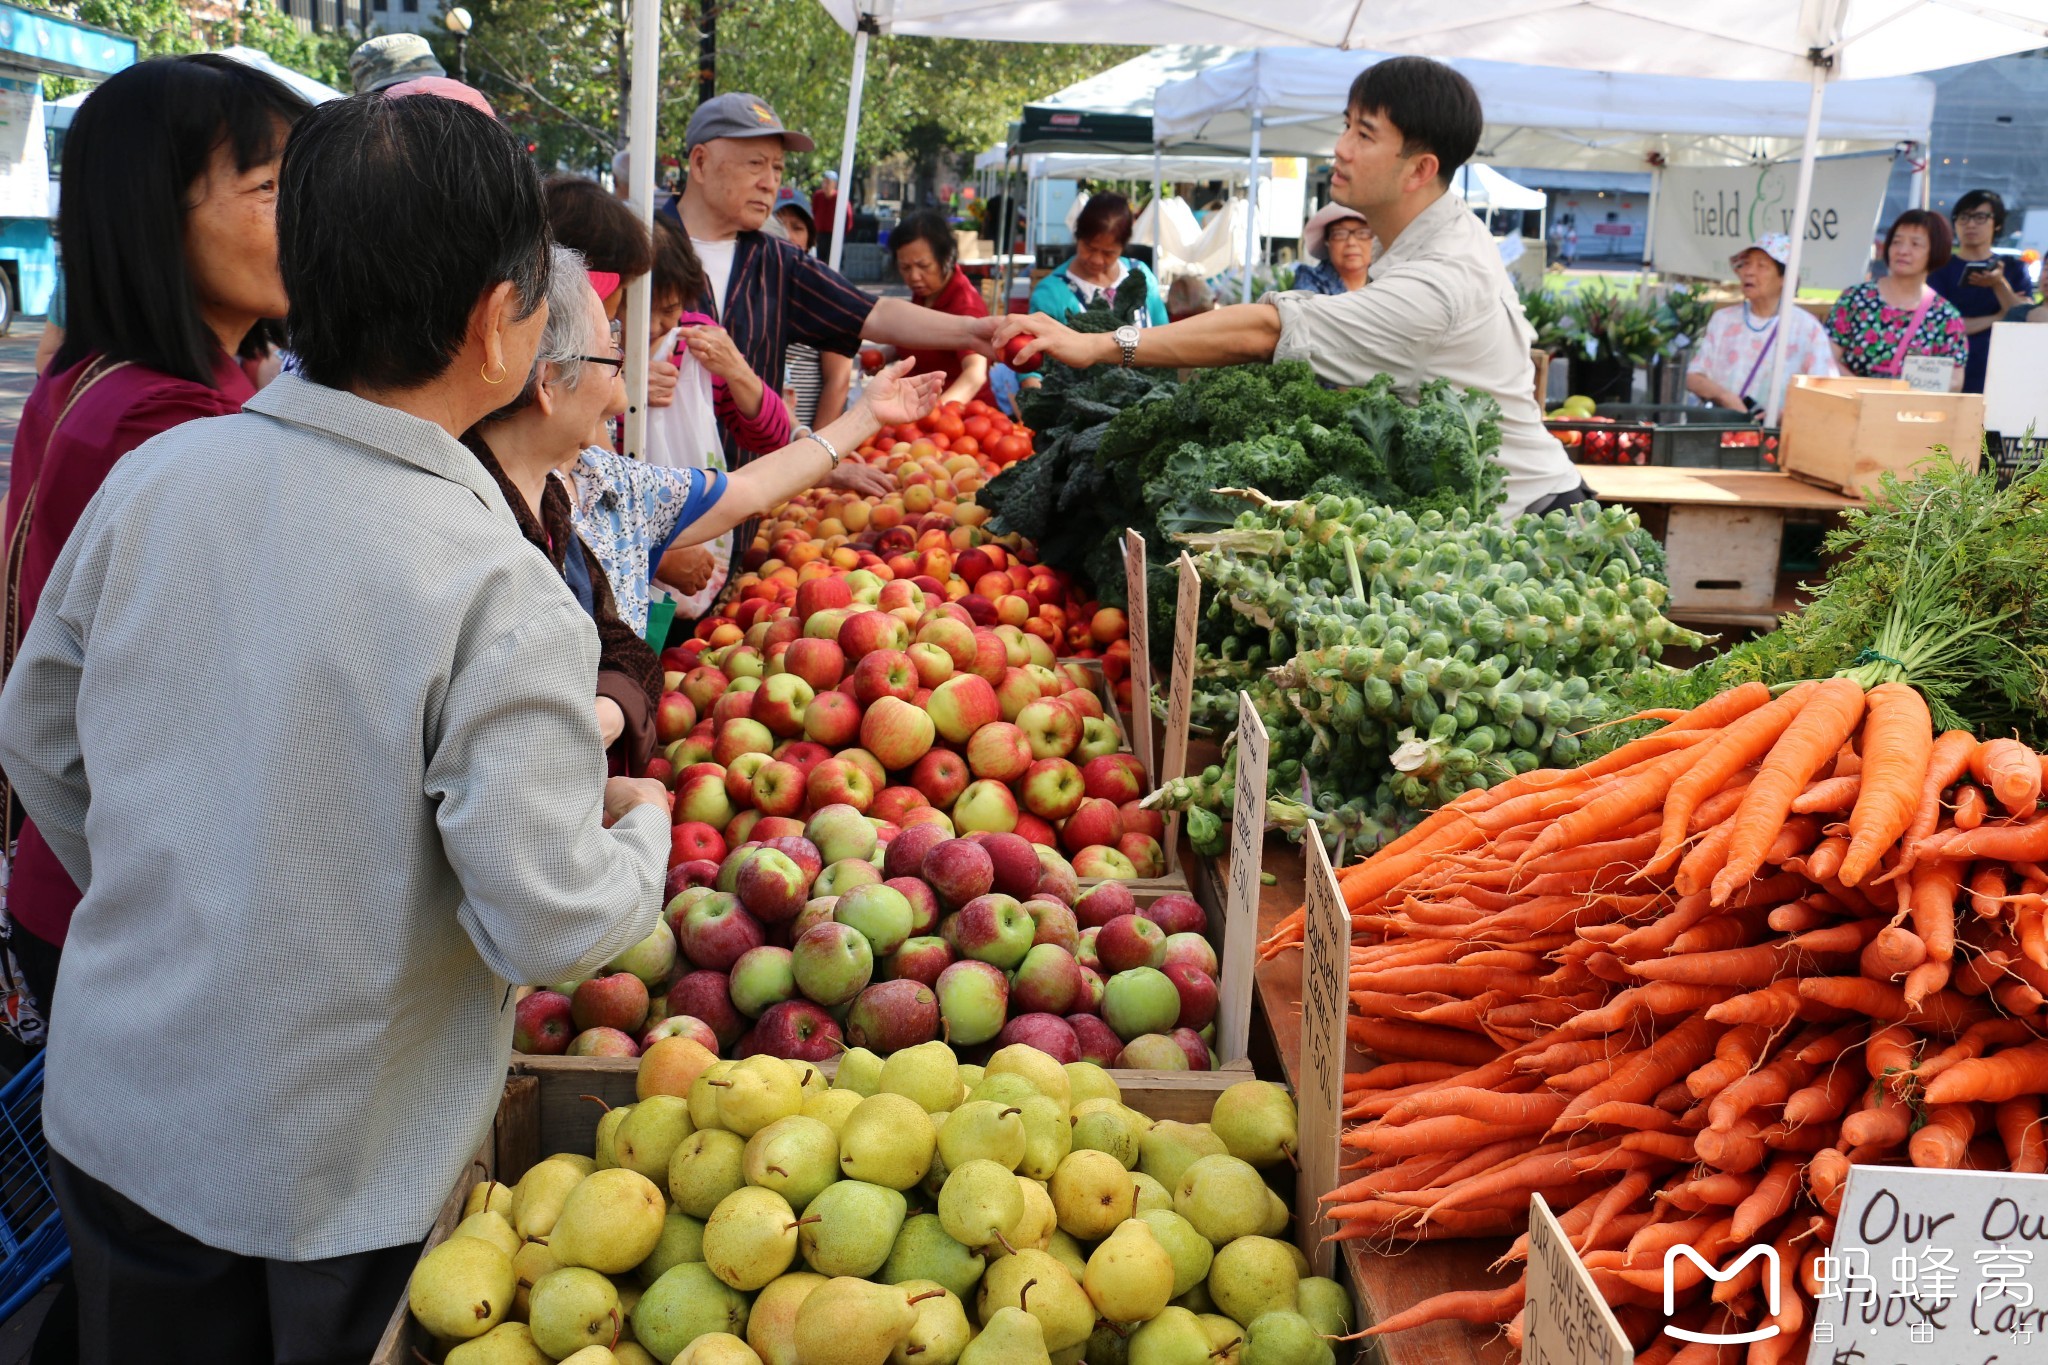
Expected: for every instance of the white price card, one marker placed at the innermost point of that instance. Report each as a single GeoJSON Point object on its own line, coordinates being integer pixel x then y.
{"type": "Point", "coordinates": [1929, 373]}
{"type": "Point", "coordinates": [1187, 604]}
{"type": "Point", "coordinates": [1565, 1320]}
{"type": "Point", "coordinates": [1137, 612]}
{"type": "Point", "coordinates": [1325, 981]}
{"type": "Point", "coordinates": [1241, 901]}
{"type": "Point", "coordinates": [1934, 1267]}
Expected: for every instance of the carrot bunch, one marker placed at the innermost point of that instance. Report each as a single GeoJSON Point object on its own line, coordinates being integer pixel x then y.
{"type": "Point", "coordinates": [1681, 990]}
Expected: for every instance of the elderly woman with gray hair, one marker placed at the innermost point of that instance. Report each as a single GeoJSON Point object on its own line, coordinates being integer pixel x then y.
{"type": "Point", "coordinates": [604, 520]}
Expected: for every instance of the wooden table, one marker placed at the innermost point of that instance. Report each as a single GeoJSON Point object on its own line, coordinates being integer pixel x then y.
{"type": "Point", "coordinates": [1723, 532]}
{"type": "Point", "coordinates": [1385, 1282]}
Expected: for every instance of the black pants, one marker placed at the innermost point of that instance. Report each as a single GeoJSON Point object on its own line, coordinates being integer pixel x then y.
{"type": "Point", "coordinates": [38, 958]}
{"type": "Point", "coordinates": [1557, 502]}
{"type": "Point", "coordinates": [148, 1293]}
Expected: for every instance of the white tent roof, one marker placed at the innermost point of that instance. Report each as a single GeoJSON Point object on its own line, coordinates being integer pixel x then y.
{"type": "Point", "coordinates": [1127, 87]}
{"type": "Point", "coordinates": [1486, 188]}
{"type": "Point", "coordinates": [1732, 39]}
{"type": "Point", "coordinates": [1548, 116]}
{"type": "Point", "coordinates": [308, 89]}
{"type": "Point", "coordinates": [1112, 166]}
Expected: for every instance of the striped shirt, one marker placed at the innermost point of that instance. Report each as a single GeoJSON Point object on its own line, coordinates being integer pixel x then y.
{"type": "Point", "coordinates": [778, 295]}
{"type": "Point", "coordinates": [806, 381]}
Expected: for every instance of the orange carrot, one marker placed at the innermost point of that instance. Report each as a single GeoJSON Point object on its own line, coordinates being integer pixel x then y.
{"type": "Point", "coordinates": [1720, 805]}
{"type": "Point", "coordinates": [1987, 890]}
{"type": "Point", "coordinates": [2020, 1128]}
{"type": "Point", "coordinates": [1934, 908]}
{"type": "Point", "coordinates": [2001, 1076]}
{"type": "Point", "coordinates": [1826, 858]}
{"type": "Point", "coordinates": [1943, 1140]}
{"type": "Point", "coordinates": [1830, 793]}
{"type": "Point", "coordinates": [1419, 1042]}
{"type": "Point", "coordinates": [1807, 743]}
{"type": "Point", "coordinates": [2006, 842]}
{"type": "Point", "coordinates": [1642, 792]}
{"type": "Point", "coordinates": [1740, 744]}
{"type": "Point", "coordinates": [1948, 760]}
{"type": "Point", "coordinates": [1970, 806]}
{"type": "Point", "coordinates": [1827, 1172]}
{"type": "Point", "coordinates": [1485, 1307]}
{"type": "Point", "coordinates": [1828, 1098]}
{"type": "Point", "coordinates": [1897, 743]}
{"type": "Point", "coordinates": [1697, 870]}
{"type": "Point", "coordinates": [1769, 1201]}
{"type": "Point", "coordinates": [2011, 771]}
{"type": "Point", "coordinates": [1892, 954]}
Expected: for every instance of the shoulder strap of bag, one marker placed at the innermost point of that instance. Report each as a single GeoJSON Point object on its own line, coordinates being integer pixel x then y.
{"type": "Point", "coordinates": [1898, 361]}
{"type": "Point", "coordinates": [17, 549]}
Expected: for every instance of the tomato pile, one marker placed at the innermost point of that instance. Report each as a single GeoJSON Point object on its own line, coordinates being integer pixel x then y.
{"type": "Point", "coordinates": [972, 428]}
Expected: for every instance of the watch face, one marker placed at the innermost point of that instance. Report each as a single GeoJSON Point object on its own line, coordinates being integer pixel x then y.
{"type": "Point", "coordinates": [1126, 336]}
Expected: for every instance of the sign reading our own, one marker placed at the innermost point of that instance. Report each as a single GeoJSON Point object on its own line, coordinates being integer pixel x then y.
{"type": "Point", "coordinates": [1241, 902]}
{"type": "Point", "coordinates": [1705, 214]}
{"type": "Point", "coordinates": [1325, 979]}
{"type": "Point", "coordinates": [1934, 1267]}
{"type": "Point", "coordinates": [1565, 1319]}
{"type": "Point", "coordinates": [1137, 616]}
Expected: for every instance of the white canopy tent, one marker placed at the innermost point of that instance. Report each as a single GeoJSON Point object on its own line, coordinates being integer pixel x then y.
{"type": "Point", "coordinates": [308, 89]}
{"type": "Point", "coordinates": [1119, 166]}
{"type": "Point", "coordinates": [1483, 187]}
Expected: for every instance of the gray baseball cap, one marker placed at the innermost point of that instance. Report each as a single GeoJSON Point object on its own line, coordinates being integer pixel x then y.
{"type": "Point", "coordinates": [741, 115]}
{"type": "Point", "coordinates": [391, 59]}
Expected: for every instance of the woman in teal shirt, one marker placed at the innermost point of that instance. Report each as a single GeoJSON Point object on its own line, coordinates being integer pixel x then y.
{"type": "Point", "coordinates": [1098, 265]}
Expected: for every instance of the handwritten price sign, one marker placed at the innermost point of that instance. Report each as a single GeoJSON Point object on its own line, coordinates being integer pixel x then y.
{"type": "Point", "coordinates": [1325, 977]}
{"type": "Point", "coordinates": [1137, 615]}
{"type": "Point", "coordinates": [1241, 906]}
{"type": "Point", "coordinates": [1565, 1320]}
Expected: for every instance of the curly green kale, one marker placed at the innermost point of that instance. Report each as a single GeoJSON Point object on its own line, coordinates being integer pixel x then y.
{"type": "Point", "coordinates": [1447, 443]}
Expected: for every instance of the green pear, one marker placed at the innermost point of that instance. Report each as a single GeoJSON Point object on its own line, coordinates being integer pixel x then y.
{"type": "Point", "coordinates": [849, 1228]}
{"type": "Point", "coordinates": [704, 1093]}
{"type": "Point", "coordinates": [1278, 1216]}
{"type": "Point", "coordinates": [1223, 1197]}
{"type": "Point", "coordinates": [1130, 1276]}
{"type": "Point", "coordinates": [1092, 1193]}
{"type": "Point", "coordinates": [1256, 1121]}
{"type": "Point", "coordinates": [771, 1327]}
{"type": "Point", "coordinates": [492, 1228]}
{"type": "Point", "coordinates": [1169, 1148]}
{"type": "Point", "coordinates": [650, 1133]}
{"type": "Point", "coordinates": [1253, 1276]}
{"type": "Point", "coordinates": [709, 1165]}
{"type": "Point", "coordinates": [1285, 1338]}
{"type": "Point", "coordinates": [572, 1308]}
{"type": "Point", "coordinates": [983, 1130]}
{"type": "Point", "coordinates": [887, 1140]}
{"type": "Point", "coordinates": [1300, 1259]}
{"type": "Point", "coordinates": [1324, 1303]}
{"type": "Point", "coordinates": [757, 1092]}
{"type": "Point", "coordinates": [859, 1070]}
{"type": "Point", "coordinates": [924, 1250]}
{"type": "Point", "coordinates": [1190, 1250]}
{"type": "Point", "coordinates": [811, 1079]}
{"type": "Point", "coordinates": [509, 1343]}
{"type": "Point", "coordinates": [1048, 1136]}
{"type": "Point", "coordinates": [1196, 1300]}
{"type": "Point", "coordinates": [1069, 1253]}
{"type": "Point", "coordinates": [532, 1261]}
{"type": "Point", "coordinates": [685, 1303]}
{"type": "Point", "coordinates": [1226, 1338]}
{"type": "Point", "coordinates": [928, 1073]}
{"type": "Point", "coordinates": [1046, 1076]}
{"type": "Point", "coordinates": [750, 1238]}
{"type": "Point", "coordinates": [971, 1074]}
{"type": "Point", "coordinates": [1073, 1355]}
{"type": "Point", "coordinates": [1087, 1081]}
{"type": "Point", "coordinates": [981, 1204]}
{"type": "Point", "coordinates": [848, 1321]}
{"type": "Point", "coordinates": [1173, 1336]}
{"type": "Point", "coordinates": [682, 1239]}
{"type": "Point", "coordinates": [1100, 1125]}
{"type": "Point", "coordinates": [717, 1348]}
{"type": "Point", "coordinates": [796, 1157]}
{"type": "Point", "coordinates": [610, 1222]}
{"type": "Point", "coordinates": [608, 1135]}
{"type": "Point", "coordinates": [1011, 1337]}
{"type": "Point", "coordinates": [939, 1333]}
{"type": "Point", "coordinates": [632, 1353]}
{"type": "Point", "coordinates": [1151, 1194]}
{"type": "Point", "coordinates": [1040, 1220]}
{"type": "Point", "coordinates": [591, 1355]}
{"type": "Point", "coordinates": [488, 1196]}
{"type": "Point", "coordinates": [831, 1107]}
{"type": "Point", "coordinates": [1037, 1283]}
{"type": "Point", "coordinates": [461, 1289]}
{"type": "Point", "coordinates": [1005, 1087]}
{"type": "Point", "coordinates": [934, 1179]}
{"type": "Point", "coordinates": [1108, 1344]}
{"type": "Point", "coordinates": [538, 1197]}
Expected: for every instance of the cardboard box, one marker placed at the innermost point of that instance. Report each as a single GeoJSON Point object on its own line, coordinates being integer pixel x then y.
{"type": "Point", "coordinates": [1847, 433]}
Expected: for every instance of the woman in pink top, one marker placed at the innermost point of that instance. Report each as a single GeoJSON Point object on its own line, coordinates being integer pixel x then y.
{"type": "Point", "coordinates": [168, 225]}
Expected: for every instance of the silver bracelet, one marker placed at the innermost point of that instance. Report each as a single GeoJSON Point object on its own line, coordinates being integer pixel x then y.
{"type": "Point", "coordinates": [833, 451]}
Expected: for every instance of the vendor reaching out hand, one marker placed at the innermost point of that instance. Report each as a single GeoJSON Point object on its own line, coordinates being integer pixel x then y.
{"type": "Point", "coordinates": [1441, 305]}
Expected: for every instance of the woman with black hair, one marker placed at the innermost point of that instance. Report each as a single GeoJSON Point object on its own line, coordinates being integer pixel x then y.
{"type": "Point", "coordinates": [168, 222]}
{"type": "Point", "coordinates": [928, 258]}
{"type": "Point", "coordinates": [1984, 286]}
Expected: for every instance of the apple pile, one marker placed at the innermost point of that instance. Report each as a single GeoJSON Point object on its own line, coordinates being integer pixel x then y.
{"type": "Point", "coordinates": [864, 695]}
{"type": "Point", "coordinates": [804, 944]}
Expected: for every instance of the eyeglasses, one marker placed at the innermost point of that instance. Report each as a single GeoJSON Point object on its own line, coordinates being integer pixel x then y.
{"type": "Point", "coordinates": [1980, 216]}
{"type": "Point", "coordinates": [617, 362]}
{"type": "Point", "coordinates": [1347, 235]}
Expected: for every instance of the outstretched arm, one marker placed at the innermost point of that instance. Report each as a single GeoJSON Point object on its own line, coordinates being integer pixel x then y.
{"type": "Point", "coordinates": [1227, 336]}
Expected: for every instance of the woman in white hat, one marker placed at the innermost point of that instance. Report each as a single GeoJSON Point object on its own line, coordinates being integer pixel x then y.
{"type": "Point", "coordinates": [1338, 246]}
{"type": "Point", "coordinates": [1731, 368]}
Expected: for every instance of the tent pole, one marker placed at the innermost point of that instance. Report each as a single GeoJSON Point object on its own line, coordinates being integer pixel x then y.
{"type": "Point", "coordinates": [1006, 231]}
{"type": "Point", "coordinates": [1650, 218]}
{"type": "Point", "coordinates": [640, 104]}
{"type": "Point", "coordinates": [853, 97]}
{"type": "Point", "coordinates": [1802, 202]}
{"type": "Point", "coordinates": [1251, 227]}
{"type": "Point", "coordinates": [1158, 177]}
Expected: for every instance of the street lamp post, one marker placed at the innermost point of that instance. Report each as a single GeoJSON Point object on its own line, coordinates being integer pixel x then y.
{"type": "Point", "coordinates": [458, 22]}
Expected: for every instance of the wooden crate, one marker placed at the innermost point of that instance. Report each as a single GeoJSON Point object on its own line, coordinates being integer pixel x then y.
{"type": "Point", "coordinates": [545, 1110]}
{"type": "Point", "coordinates": [1723, 558]}
{"type": "Point", "coordinates": [1846, 433]}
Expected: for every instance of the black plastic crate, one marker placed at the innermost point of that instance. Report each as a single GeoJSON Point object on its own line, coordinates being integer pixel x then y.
{"type": "Point", "coordinates": [1701, 437]}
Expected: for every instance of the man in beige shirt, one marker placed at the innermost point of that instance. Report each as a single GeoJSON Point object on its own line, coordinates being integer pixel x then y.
{"type": "Point", "coordinates": [1438, 305]}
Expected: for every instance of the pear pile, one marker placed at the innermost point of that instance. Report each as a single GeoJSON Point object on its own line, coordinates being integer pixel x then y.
{"type": "Point", "coordinates": [914, 1210]}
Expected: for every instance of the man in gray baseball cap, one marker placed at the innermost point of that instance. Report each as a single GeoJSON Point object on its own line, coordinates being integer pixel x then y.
{"type": "Point", "coordinates": [741, 115]}
{"type": "Point", "coordinates": [391, 59]}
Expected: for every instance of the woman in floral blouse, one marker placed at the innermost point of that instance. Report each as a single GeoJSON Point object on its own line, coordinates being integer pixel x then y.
{"type": "Point", "coordinates": [1878, 324]}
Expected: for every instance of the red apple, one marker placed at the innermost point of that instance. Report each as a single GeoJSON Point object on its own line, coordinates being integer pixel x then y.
{"type": "Point", "coordinates": [704, 995]}
{"type": "Point", "coordinates": [1138, 820]}
{"type": "Point", "coordinates": [1144, 852]}
{"type": "Point", "coordinates": [1096, 862]}
{"type": "Point", "coordinates": [739, 778]}
{"type": "Point", "coordinates": [701, 796]}
{"type": "Point", "coordinates": [897, 733]}
{"type": "Point", "coordinates": [738, 830]}
{"type": "Point", "coordinates": [1096, 1041]}
{"type": "Point", "coordinates": [1191, 950]}
{"type": "Point", "coordinates": [954, 636]}
{"type": "Point", "coordinates": [820, 594]}
{"type": "Point", "coordinates": [958, 870]}
{"type": "Point", "coordinates": [878, 778]}
{"type": "Point", "coordinates": [985, 807]}
{"type": "Point", "coordinates": [1107, 778]}
{"type": "Point", "coordinates": [920, 959]}
{"type": "Point", "coordinates": [838, 782]}
{"type": "Point", "coordinates": [742, 735]}
{"type": "Point", "coordinates": [821, 663]}
{"type": "Point", "coordinates": [604, 1042]}
{"type": "Point", "coordinates": [1103, 902]}
{"type": "Point", "coordinates": [779, 789]}
{"type": "Point", "coordinates": [1047, 980]}
{"type": "Point", "coordinates": [1129, 941]}
{"type": "Point", "coordinates": [865, 632]}
{"type": "Point", "coordinates": [1016, 865]}
{"type": "Point", "coordinates": [779, 704]}
{"type": "Point", "coordinates": [1048, 1033]}
{"type": "Point", "coordinates": [543, 1024]}
{"type": "Point", "coordinates": [1034, 830]}
{"type": "Point", "coordinates": [1198, 1054]}
{"type": "Point", "coordinates": [891, 1015]}
{"type": "Point", "coordinates": [693, 872]}
{"type": "Point", "coordinates": [991, 655]}
{"type": "Point", "coordinates": [703, 686]}
{"type": "Point", "coordinates": [925, 911]}
{"type": "Point", "coordinates": [803, 754]}
{"type": "Point", "coordinates": [832, 719]}
{"type": "Point", "coordinates": [933, 664]}
{"type": "Point", "coordinates": [998, 751]}
{"type": "Point", "coordinates": [770, 829]}
{"type": "Point", "coordinates": [1017, 690]}
{"type": "Point", "coordinates": [736, 703]}
{"type": "Point", "coordinates": [884, 673]}
{"type": "Point", "coordinates": [940, 776]}
{"type": "Point", "coordinates": [1052, 729]}
{"type": "Point", "coordinates": [1197, 994]}
{"type": "Point", "coordinates": [893, 803]}
{"type": "Point", "coordinates": [1055, 923]}
{"type": "Point", "coordinates": [694, 839]}
{"type": "Point", "coordinates": [617, 1001]}
{"type": "Point", "coordinates": [962, 705]}
{"type": "Point", "coordinates": [1177, 913]}
{"type": "Point", "coordinates": [907, 850]}
{"type": "Point", "coordinates": [1094, 822]}
{"type": "Point", "coordinates": [797, 1029]}
{"type": "Point", "coordinates": [673, 717]}
{"type": "Point", "coordinates": [1052, 789]}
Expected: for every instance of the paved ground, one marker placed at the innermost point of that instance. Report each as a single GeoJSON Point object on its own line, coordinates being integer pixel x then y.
{"type": "Point", "coordinates": [17, 377]}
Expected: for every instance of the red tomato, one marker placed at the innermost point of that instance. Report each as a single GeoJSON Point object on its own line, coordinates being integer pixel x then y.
{"type": "Point", "coordinates": [941, 440]}
{"type": "Point", "coordinates": [966, 445]}
{"type": "Point", "coordinates": [1014, 345]}
{"type": "Point", "coordinates": [909, 431]}
{"type": "Point", "coordinates": [977, 408]}
{"type": "Point", "coordinates": [946, 422]}
{"type": "Point", "coordinates": [977, 425]}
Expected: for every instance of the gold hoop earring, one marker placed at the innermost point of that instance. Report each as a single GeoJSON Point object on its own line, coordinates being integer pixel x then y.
{"type": "Point", "coordinates": [487, 379]}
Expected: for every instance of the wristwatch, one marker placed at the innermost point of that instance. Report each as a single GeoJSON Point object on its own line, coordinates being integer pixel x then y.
{"type": "Point", "coordinates": [1127, 341]}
